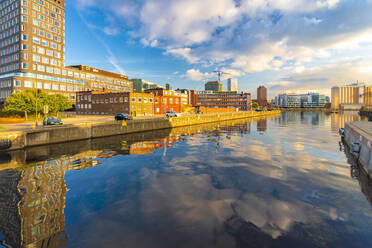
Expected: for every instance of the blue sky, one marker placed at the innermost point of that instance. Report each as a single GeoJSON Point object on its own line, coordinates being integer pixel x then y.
{"type": "Point", "coordinates": [288, 46]}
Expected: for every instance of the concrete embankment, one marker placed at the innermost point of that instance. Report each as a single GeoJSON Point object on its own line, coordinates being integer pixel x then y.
{"type": "Point", "coordinates": [52, 135]}
{"type": "Point", "coordinates": [358, 136]}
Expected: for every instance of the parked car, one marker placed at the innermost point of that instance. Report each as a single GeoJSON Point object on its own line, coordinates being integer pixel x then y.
{"type": "Point", "coordinates": [121, 117]}
{"type": "Point", "coordinates": [172, 114]}
{"type": "Point", "coordinates": [49, 121]}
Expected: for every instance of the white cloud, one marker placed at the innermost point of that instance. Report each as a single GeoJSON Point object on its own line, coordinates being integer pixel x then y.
{"type": "Point", "coordinates": [250, 36]}
{"type": "Point", "coordinates": [184, 53]}
{"type": "Point", "coordinates": [196, 75]}
{"type": "Point", "coordinates": [111, 30]}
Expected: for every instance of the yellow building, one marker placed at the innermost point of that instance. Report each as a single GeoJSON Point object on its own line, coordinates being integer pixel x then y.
{"type": "Point", "coordinates": [368, 96]}
{"type": "Point", "coordinates": [346, 95]}
{"type": "Point", "coordinates": [32, 48]}
{"type": "Point", "coordinates": [141, 104]}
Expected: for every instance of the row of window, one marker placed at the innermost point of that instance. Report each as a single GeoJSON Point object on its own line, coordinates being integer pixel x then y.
{"type": "Point", "coordinates": [9, 68]}
{"type": "Point", "coordinates": [9, 41]}
{"type": "Point", "coordinates": [6, 3]}
{"type": "Point", "coordinates": [9, 50]}
{"type": "Point", "coordinates": [47, 86]}
{"type": "Point", "coordinates": [9, 20]}
{"type": "Point", "coordinates": [9, 32]}
{"type": "Point", "coordinates": [9, 59]}
{"type": "Point", "coordinates": [49, 36]}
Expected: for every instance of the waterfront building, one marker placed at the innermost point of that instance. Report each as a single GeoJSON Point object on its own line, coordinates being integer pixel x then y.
{"type": "Point", "coordinates": [368, 96]}
{"type": "Point", "coordinates": [345, 97]}
{"type": "Point", "coordinates": [262, 95]}
{"type": "Point", "coordinates": [288, 101]}
{"type": "Point", "coordinates": [166, 100]}
{"type": "Point", "coordinates": [186, 96]}
{"type": "Point", "coordinates": [32, 49]}
{"type": "Point", "coordinates": [313, 100]}
{"type": "Point", "coordinates": [224, 99]}
{"type": "Point", "coordinates": [140, 85]}
{"type": "Point", "coordinates": [232, 84]}
{"type": "Point", "coordinates": [213, 86]}
{"type": "Point", "coordinates": [110, 103]}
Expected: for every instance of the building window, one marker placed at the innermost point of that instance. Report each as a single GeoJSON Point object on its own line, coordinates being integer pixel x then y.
{"type": "Point", "coordinates": [17, 83]}
{"type": "Point", "coordinates": [111, 100]}
{"type": "Point", "coordinates": [55, 86]}
{"type": "Point", "coordinates": [47, 86]}
{"type": "Point", "coordinates": [133, 99]}
{"type": "Point", "coordinates": [39, 85]}
{"type": "Point", "coordinates": [120, 99]}
{"type": "Point", "coordinates": [139, 99]}
{"type": "Point", "coordinates": [28, 84]}
{"type": "Point", "coordinates": [151, 100]}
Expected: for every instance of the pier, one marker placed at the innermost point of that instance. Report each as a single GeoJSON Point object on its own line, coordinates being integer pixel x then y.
{"type": "Point", "coordinates": [358, 136]}
{"type": "Point", "coordinates": [14, 140]}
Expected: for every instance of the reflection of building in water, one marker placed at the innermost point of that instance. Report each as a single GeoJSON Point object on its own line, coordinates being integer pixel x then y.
{"type": "Point", "coordinates": [37, 219]}
{"type": "Point", "coordinates": [262, 125]}
{"type": "Point", "coordinates": [338, 119]}
{"type": "Point", "coordinates": [313, 118]}
{"type": "Point", "coordinates": [42, 205]}
{"type": "Point", "coordinates": [241, 128]}
{"type": "Point", "coordinates": [289, 117]}
{"type": "Point", "coordinates": [146, 147]}
{"type": "Point", "coordinates": [9, 219]}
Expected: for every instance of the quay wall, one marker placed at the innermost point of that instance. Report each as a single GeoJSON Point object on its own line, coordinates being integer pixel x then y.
{"type": "Point", "coordinates": [13, 140]}
{"type": "Point", "coordinates": [355, 133]}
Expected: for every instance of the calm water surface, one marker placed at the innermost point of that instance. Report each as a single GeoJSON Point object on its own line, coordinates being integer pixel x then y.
{"type": "Point", "coordinates": [283, 181]}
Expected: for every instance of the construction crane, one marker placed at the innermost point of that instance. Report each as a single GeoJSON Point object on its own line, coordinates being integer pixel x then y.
{"type": "Point", "coordinates": [219, 74]}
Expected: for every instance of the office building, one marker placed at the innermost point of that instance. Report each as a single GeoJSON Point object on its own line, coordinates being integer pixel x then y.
{"type": "Point", "coordinates": [288, 101]}
{"type": "Point", "coordinates": [223, 99]}
{"type": "Point", "coordinates": [345, 97]}
{"type": "Point", "coordinates": [262, 96]}
{"type": "Point", "coordinates": [313, 100]}
{"type": "Point", "coordinates": [213, 86]}
{"type": "Point", "coordinates": [140, 85]}
{"type": "Point", "coordinates": [232, 84]}
{"type": "Point", "coordinates": [110, 103]}
{"type": "Point", "coordinates": [32, 49]}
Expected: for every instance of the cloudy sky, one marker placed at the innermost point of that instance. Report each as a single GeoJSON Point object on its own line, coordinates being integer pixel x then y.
{"type": "Point", "coordinates": [289, 46]}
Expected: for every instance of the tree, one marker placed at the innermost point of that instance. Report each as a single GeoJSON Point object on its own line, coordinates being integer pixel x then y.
{"type": "Point", "coordinates": [25, 102]}
{"type": "Point", "coordinates": [255, 105]}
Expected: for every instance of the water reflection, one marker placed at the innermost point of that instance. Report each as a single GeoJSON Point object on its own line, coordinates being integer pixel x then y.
{"type": "Point", "coordinates": [215, 185]}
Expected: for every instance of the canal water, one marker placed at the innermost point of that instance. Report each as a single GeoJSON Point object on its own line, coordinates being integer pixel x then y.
{"type": "Point", "coordinates": [283, 181]}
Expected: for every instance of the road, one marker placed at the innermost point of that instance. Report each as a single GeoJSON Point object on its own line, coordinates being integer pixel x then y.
{"type": "Point", "coordinates": [71, 120]}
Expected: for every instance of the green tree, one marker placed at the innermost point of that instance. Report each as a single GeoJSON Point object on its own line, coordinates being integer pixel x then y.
{"type": "Point", "coordinates": [58, 103]}
{"type": "Point", "coordinates": [255, 105]}
{"type": "Point", "coordinates": [25, 102]}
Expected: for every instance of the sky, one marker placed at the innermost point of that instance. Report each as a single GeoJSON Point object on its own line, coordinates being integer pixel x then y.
{"type": "Point", "coordinates": [289, 46]}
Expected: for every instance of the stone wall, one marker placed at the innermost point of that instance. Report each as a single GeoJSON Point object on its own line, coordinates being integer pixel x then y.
{"type": "Point", "coordinates": [53, 135]}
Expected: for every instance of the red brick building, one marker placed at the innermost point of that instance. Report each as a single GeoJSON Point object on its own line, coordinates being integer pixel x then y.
{"type": "Point", "coordinates": [224, 99]}
{"type": "Point", "coordinates": [109, 103]}
{"type": "Point", "coordinates": [165, 100]}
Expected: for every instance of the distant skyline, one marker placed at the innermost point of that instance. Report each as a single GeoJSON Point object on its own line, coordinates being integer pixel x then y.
{"type": "Point", "coordinates": [288, 46]}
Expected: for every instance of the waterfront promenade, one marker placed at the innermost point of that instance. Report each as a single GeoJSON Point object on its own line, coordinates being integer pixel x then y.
{"type": "Point", "coordinates": [13, 140]}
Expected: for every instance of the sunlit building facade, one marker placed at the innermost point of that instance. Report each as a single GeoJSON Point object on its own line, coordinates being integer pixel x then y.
{"type": "Point", "coordinates": [32, 49]}
{"type": "Point", "coordinates": [346, 95]}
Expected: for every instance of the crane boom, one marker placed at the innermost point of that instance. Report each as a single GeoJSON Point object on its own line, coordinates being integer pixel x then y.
{"type": "Point", "coordinates": [219, 74]}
